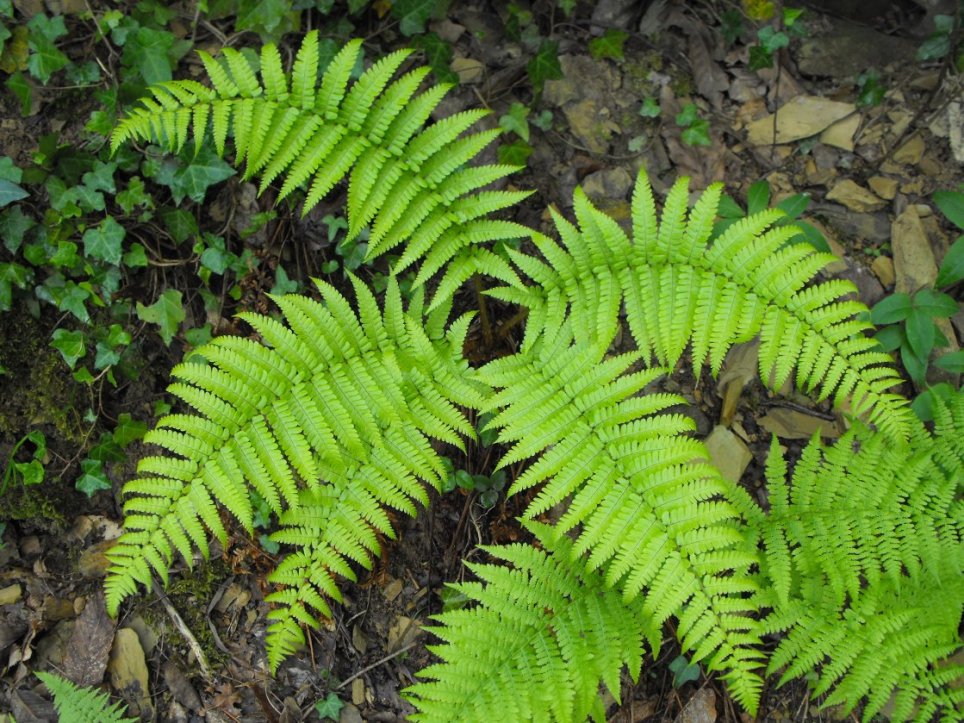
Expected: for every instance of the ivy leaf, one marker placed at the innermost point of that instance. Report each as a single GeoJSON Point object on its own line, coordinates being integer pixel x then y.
{"type": "Point", "coordinates": [194, 178]}
{"type": "Point", "coordinates": [93, 479]}
{"type": "Point", "coordinates": [515, 153]}
{"type": "Point", "coordinates": [330, 707]}
{"type": "Point", "coordinates": [650, 108]}
{"type": "Point", "coordinates": [438, 55]}
{"type": "Point", "coordinates": [9, 171]}
{"type": "Point", "coordinates": [14, 225]}
{"type": "Point", "coordinates": [610, 45]}
{"type": "Point", "coordinates": [698, 134]}
{"type": "Point", "coordinates": [413, 14]}
{"type": "Point", "coordinates": [10, 192]}
{"type": "Point", "coordinates": [167, 312]}
{"type": "Point", "coordinates": [545, 65]}
{"type": "Point", "coordinates": [515, 121]}
{"type": "Point", "coordinates": [128, 430]}
{"type": "Point", "coordinates": [105, 241]}
{"type": "Point", "coordinates": [70, 344]}
{"type": "Point", "coordinates": [45, 59]}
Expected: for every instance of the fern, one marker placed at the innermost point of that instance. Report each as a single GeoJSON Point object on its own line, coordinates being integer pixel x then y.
{"type": "Point", "coordinates": [863, 553]}
{"type": "Point", "coordinates": [648, 510]}
{"type": "Point", "coordinates": [544, 634]}
{"type": "Point", "coordinates": [409, 184]}
{"type": "Point", "coordinates": [329, 425]}
{"type": "Point", "coordinates": [677, 289]}
{"type": "Point", "coordinates": [81, 705]}
{"type": "Point", "coordinates": [331, 420]}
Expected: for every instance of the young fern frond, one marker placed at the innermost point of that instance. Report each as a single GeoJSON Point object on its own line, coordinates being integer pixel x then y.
{"type": "Point", "coordinates": [409, 183]}
{"type": "Point", "coordinates": [640, 502]}
{"type": "Point", "coordinates": [677, 288]}
{"type": "Point", "coordinates": [543, 634]}
{"type": "Point", "coordinates": [329, 424]}
{"type": "Point", "coordinates": [862, 557]}
{"type": "Point", "coordinates": [82, 705]}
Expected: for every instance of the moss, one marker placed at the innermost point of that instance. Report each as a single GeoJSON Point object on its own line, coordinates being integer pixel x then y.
{"type": "Point", "coordinates": [37, 388]}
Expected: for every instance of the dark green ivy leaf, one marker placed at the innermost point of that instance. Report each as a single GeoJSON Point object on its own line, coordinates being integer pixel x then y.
{"type": "Point", "coordinates": [167, 312]}
{"type": "Point", "coordinates": [545, 65]}
{"type": "Point", "coordinates": [105, 241]}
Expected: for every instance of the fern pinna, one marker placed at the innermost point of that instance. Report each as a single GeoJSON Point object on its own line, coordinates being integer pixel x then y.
{"type": "Point", "coordinates": [407, 183]}
{"type": "Point", "coordinates": [330, 418]}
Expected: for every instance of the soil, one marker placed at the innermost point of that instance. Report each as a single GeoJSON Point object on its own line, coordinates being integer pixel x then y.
{"type": "Point", "coordinates": [203, 639]}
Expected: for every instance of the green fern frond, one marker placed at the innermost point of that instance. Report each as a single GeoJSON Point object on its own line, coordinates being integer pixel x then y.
{"type": "Point", "coordinates": [540, 639]}
{"type": "Point", "coordinates": [642, 506]}
{"type": "Point", "coordinates": [82, 705]}
{"type": "Point", "coordinates": [409, 183]}
{"type": "Point", "coordinates": [329, 424]}
{"type": "Point", "coordinates": [678, 288]}
{"type": "Point", "coordinates": [863, 552]}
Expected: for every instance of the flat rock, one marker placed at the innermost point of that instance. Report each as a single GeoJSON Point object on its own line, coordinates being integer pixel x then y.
{"type": "Point", "coordinates": [701, 708]}
{"type": "Point", "coordinates": [883, 186]}
{"type": "Point", "coordinates": [914, 264]}
{"type": "Point", "coordinates": [728, 453]}
{"type": "Point", "coordinates": [855, 197]}
{"type": "Point", "coordinates": [848, 49]}
{"type": "Point", "coordinates": [801, 117]}
{"type": "Point", "coordinates": [873, 227]}
{"type": "Point", "coordinates": [883, 268]}
{"type": "Point", "coordinates": [611, 183]}
{"type": "Point", "coordinates": [911, 151]}
{"type": "Point", "coordinates": [841, 134]}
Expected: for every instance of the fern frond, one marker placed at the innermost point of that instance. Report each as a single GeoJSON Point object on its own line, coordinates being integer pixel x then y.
{"type": "Point", "coordinates": [82, 705]}
{"type": "Point", "coordinates": [863, 552]}
{"type": "Point", "coordinates": [642, 506]}
{"type": "Point", "coordinates": [329, 425]}
{"type": "Point", "coordinates": [408, 183]}
{"type": "Point", "coordinates": [541, 637]}
{"type": "Point", "coordinates": [678, 288]}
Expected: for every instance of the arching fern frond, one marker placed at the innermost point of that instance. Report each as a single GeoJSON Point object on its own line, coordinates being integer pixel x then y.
{"type": "Point", "coordinates": [329, 425]}
{"type": "Point", "coordinates": [541, 637]}
{"type": "Point", "coordinates": [409, 183]}
{"type": "Point", "coordinates": [82, 705]}
{"type": "Point", "coordinates": [640, 502]}
{"type": "Point", "coordinates": [677, 288]}
{"type": "Point", "coordinates": [863, 553]}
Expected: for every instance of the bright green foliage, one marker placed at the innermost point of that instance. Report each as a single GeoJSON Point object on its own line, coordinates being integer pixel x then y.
{"type": "Point", "coordinates": [329, 421]}
{"type": "Point", "coordinates": [407, 183]}
{"type": "Point", "coordinates": [678, 290]}
{"type": "Point", "coordinates": [542, 638]}
{"type": "Point", "coordinates": [643, 504]}
{"type": "Point", "coordinates": [329, 424]}
{"type": "Point", "coordinates": [863, 552]}
{"type": "Point", "coordinates": [82, 705]}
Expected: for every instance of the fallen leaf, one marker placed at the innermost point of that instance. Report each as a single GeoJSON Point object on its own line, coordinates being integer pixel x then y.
{"type": "Point", "coordinates": [791, 424]}
{"type": "Point", "coordinates": [728, 453]}
{"type": "Point", "coordinates": [85, 659]}
{"type": "Point", "coordinates": [802, 117]}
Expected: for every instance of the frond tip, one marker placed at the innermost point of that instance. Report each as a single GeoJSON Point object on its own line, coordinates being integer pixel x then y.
{"type": "Point", "coordinates": [540, 637]}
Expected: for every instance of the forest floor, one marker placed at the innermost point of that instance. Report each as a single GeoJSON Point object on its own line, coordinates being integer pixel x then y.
{"type": "Point", "coordinates": [868, 168]}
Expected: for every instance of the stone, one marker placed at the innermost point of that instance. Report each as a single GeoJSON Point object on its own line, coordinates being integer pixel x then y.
{"type": "Point", "coordinates": [801, 117]}
{"type": "Point", "coordinates": [10, 594]}
{"type": "Point", "coordinates": [610, 184]}
{"type": "Point", "coordinates": [855, 197]}
{"type": "Point", "coordinates": [350, 714]}
{"type": "Point", "coordinates": [848, 49]}
{"type": "Point", "coordinates": [883, 186]}
{"type": "Point", "coordinates": [701, 708]}
{"type": "Point", "coordinates": [791, 424]}
{"type": "Point", "coordinates": [910, 152]}
{"type": "Point", "coordinates": [914, 263]}
{"type": "Point", "coordinates": [469, 70]}
{"type": "Point", "coordinates": [883, 267]}
{"type": "Point", "coordinates": [841, 134]}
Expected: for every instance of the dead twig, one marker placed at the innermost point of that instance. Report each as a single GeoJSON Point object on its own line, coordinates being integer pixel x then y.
{"type": "Point", "coordinates": [184, 630]}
